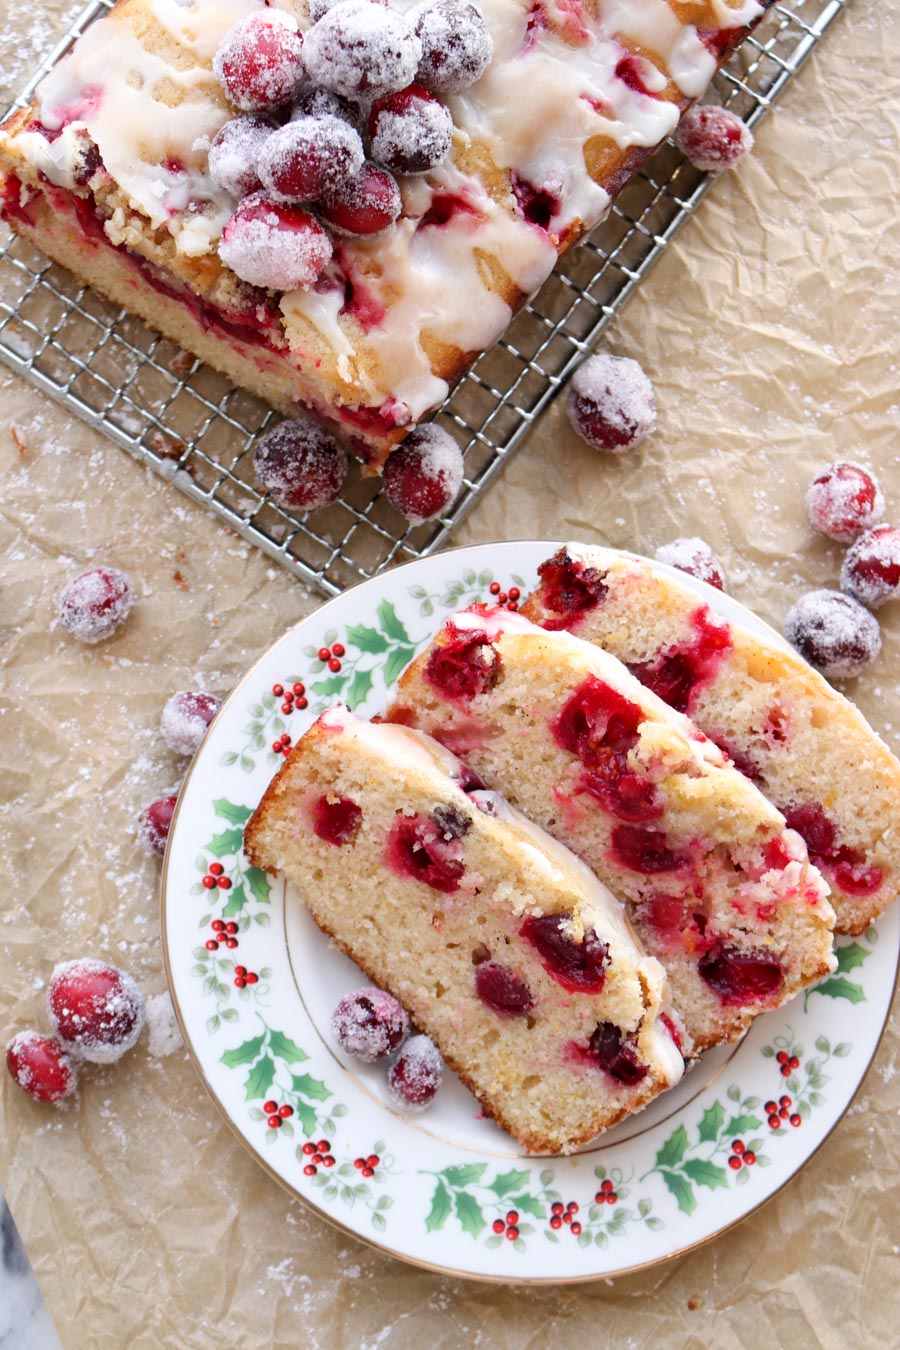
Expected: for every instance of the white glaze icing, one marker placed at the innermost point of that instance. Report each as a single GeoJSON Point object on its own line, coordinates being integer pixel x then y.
{"type": "Point", "coordinates": [547, 91]}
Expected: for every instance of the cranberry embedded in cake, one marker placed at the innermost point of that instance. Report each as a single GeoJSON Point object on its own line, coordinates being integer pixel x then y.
{"type": "Point", "coordinates": [502, 991]}
{"type": "Point", "coordinates": [844, 500]}
{"type": "Point", "coordinates": [416, 847]}
{"type": "Point", "coordinates": [616, 1055]}
{"type": "Point", "coordinates": [464, 666]}
{"type": "Point", "coordinates": [579, 966]}
{"type": "Point", "coordinates": [568, 589]}
{"type": "Point", "coordinates": [678, 672]}
{"type": "Point", "coordinates": [336, 819]}
{"type": "Point", "coordinates": [740, 977]}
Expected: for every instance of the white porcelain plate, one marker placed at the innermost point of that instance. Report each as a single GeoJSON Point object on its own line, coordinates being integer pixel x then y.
{"type": "Point", "coordinates": [448, 1189]}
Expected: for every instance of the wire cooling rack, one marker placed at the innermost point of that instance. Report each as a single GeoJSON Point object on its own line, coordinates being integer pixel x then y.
{"type": "Point", "coordinates": [196, 430]}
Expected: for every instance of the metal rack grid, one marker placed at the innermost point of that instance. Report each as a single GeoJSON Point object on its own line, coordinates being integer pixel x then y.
{"type": "Point", "coordinates": [196, 430]}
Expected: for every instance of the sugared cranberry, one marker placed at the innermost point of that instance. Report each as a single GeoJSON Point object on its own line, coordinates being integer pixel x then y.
{"type": "Point", "coordinates": [309, 158]}
{"type": "Point", "coordinates": [336, 819]}
{"type": "Point", "coordinates": [502, 991]}
{"type": "Point", "coordinates": [712, 138]}
{"type": "Point", "coordinates": [424, 474]}
{"type": "Point", "coordinates": [834, 633]}
{"type": "Point", "coordinates": [259, 63]}
{"type": "Point", "coordinates": [871, 570]}
{"type": "Point", "coordinates": [41, 1067]}
{"type": "Point", "coordinates": [463, 666]}
{"type": "Point", "coordinates": [365, 204]}
{"type": "Point", "coordinates": [153, 824]}
{"type": "Point", "coordinates": [844, 500]}
{"type": "Point", "coordinates": [678, 672]}
{"type": "Point", "coordinates": [644, 850]}
{"type": "Point", "coordinates": [456, 45]}
{"type": "Point", "coordinates": [96, 1009]}
{"type": "Point", "coordinates": [267, 243]}
{"type": "Point", "coordinates": [616, 1054]}
{"type": "Point", "coordinates": [411, 130]}
{"type": "Point", "coordinates": [611, 403]}
{"type": "Point", "coordinates": [300, 466]}
{"type": "Point", "coordinates": [319, 102]}
{"type": "Point", "coordinates": [695, 557]}
{"type": "Point", "coordinates": [234, 155]}
{"type": "Point", "coordinates": [578, 966]}
{"type": "Point", "coordinates": [415, 1078]}
{"type": "Point", "coordinates": [415, 848]}
{"type": "Point", "coordinates": [369, 1024]}
{"type": "Point", "coordinates": [740, 977]}
{"type": "Point", "coordinates": [569, 589]}
{"type": "Point", "coordinates": [94, 604]}
{"type": "Point", "coordinates": [362, 50]}
{"type": "Point", "coordinates": [186, 718]}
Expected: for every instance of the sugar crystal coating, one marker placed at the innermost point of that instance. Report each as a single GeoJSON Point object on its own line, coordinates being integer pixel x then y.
{"type": "Point", "coordinates": [456, 45]}
{"type": "Point", "coordinates": [369, 1024]}
{"type": "Point", "coordinates": [694, 556]}
{"type": "Point", "coordinates": [94, 604]}
{"type": "Point", "coordinates": [411, 130]}
{"type": "Point", "coordinates": [713, 138]}
{"type": "Point", "coordinates": [259, 63]}
{"type": "Point", "coordinates": [270, 244]}
{"type": "Point", "coordinates": [360, 49]}
{"type": "Point", "coordinates": [310, 157]}
{"type": "Point", "coordinates": [234, 155]}
{"type": "Point", "coordinates": [834, 633]}
{"type": "Point", "coordinates": [366, 204]}
{"type": "Point", "coordinates": [424, 474]}
{"type": "Point", "coordinates": [185, 719]}
{"type": "Point", "coordinates": [871, 570]}
{"type": "Point", "coordinates": [844, 500]}
{"type": "Point", "coordinates": [154, 822]}
{"type": "Point", "coordinates": [415, 1078]}
{"type": "Point", "coordinates": [41, 1066]}
{"type": "Point", "coordinates": [318, 102]}
{"type": "Point", "coordinates": [611, 403]}
{"type": "Point", "coordinates": [96, 1009]}
{"type": "Point", "coordinates": [300, 465]}
{"type": "Point", "coordinates": [163, 1034]}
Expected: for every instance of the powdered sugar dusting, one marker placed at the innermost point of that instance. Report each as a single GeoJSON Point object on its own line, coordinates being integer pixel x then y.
{"type": "Point", "coordinates": [163, 1034]}
{"type": "Point", "coordinates": [278, 247]}
{"type": "Point", "coordinates": [234, 155]}
{"type": "Point", "coordinates": [871, 570]}
{"type": "Point", "coordinates": [185, 719]}
{"type": "Point", "coordinates": [94, 604]}
{"type": "Point", "coordinates": [611, 403]}
{"type": "Point", "coordinates": [456, 45]}
{"type": "Point", "coordinates": [844, 500]}
{"type": "Point", "coordinates": [96, 1009]}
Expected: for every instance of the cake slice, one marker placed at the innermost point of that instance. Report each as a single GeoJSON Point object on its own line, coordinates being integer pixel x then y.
{"type": "Point", "coordinates": [716, 886]}
{"type": "Point", "coordinates": [107, 171]}
{"type": "Point", "coordinates": [809, 750]}
{"type": "Point", "coordinates": [501, 945]}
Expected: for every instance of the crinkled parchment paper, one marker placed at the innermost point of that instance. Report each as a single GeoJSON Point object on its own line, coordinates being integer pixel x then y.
{"type": "Point", "coordinates": [770, 332]}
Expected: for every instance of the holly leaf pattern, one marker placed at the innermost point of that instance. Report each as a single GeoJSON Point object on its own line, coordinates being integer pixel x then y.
{"type": "Point", "coordinates": [527, 1204]}
{"type": "Point", "coordinates": [359, 688]}
{"type": "Point", "coordinates": [673, 1150]}
{"type": "Point", "coordinates": [243, 1054]}
{"type": "Point", "coordinates": [284, 1048]}
{"type": "Point", "coordinates": [440, 1207]}
{"type": "Point", "coordinates": [706, 1173]}
{"type": "Point", "coordinates": [367, 639]}
{"type": "Point", "coordinates": [465, 1175]}
{"type": "Point", "coordinates": [310, 1087]}
{"type": "Point", "coordinates": [237, 899]}
{"type": "Point", "coordinates": [508, 1181]}
{"type": "Point", "coordinates": [682, 1190]}
{"type": "Point", "coordinates": [839, 987]}
{"type": "Point", "coordinates": [235, 815]}
{"type": "Point", "coordinates": [396, 663]}
{"type": "Point", "coordinates": [740, 1125]}
{"type": "Point", "coordinates": [712, 1122]}
{"type": "Point", "coordinates": [390, 624]}
{"type": "Point", "coordinates": [259, 1079]}
{"type": "Point", "coordinates": [851, 956]}
{"type": "Point", "coordinates": [258, 883]}
{"type": "Point", "coordinates": [469, 1213]}
{"type": "Point", "coordinates": [229, 841]}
